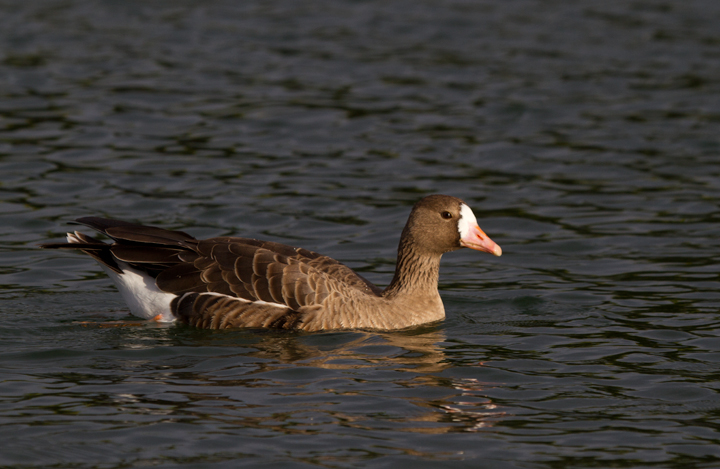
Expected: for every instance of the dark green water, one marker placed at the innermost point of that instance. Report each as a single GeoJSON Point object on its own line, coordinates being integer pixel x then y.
{"type": "Point", "coordinates": [585, 135]}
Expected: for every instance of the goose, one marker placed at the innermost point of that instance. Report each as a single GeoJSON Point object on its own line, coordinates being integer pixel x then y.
{"type": "Point", "coordinates": [230, 282]}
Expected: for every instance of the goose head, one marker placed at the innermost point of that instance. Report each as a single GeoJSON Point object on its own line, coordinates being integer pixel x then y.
{"type": "Point", "coordinates": [441, 223]}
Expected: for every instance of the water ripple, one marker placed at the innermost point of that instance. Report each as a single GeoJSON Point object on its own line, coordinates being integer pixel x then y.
{"type": "Point", "coordinates": [583, 135]}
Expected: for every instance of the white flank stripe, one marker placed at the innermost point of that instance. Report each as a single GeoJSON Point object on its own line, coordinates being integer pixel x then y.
{"type": "Point", "coordinates": [255, 302]}
{"type": "Point", "coordinates": [278, 305]}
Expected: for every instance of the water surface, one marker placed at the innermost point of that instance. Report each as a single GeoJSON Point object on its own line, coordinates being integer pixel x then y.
{"type": "Point", "coordinates": [584, 136]}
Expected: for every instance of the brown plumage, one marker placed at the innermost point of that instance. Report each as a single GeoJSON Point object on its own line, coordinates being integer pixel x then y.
{"type": "Point", "coordinates": [240, 282]}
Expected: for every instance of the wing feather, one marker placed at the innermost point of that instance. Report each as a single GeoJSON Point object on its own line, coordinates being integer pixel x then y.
{"type": "Point", "coordinates": [180, 278]}
{"type": "Point", "coordinates": [145, 254]}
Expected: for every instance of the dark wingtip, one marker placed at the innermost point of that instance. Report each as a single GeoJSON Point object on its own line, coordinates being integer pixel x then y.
{"type": "Point", "coordinates": [100, 224]}
{"type": "Point", "coordinates": [134, 232]}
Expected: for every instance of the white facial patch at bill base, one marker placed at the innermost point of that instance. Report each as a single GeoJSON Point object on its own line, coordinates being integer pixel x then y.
{"type": "Point", "coordinates": [467, 221]}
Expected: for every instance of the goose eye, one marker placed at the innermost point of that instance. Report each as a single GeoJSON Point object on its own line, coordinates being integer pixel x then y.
{"type": "Point", "coordinates": [446, 215]}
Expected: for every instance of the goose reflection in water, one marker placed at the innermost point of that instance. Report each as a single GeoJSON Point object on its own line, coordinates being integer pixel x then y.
{"type": "Point", "coordinates": [311, 380]}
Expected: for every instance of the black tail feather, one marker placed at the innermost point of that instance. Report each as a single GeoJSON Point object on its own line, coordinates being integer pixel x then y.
{"type": "Point", "coordinates": [131, 240]}
{"type": "Point", "coordinates": [133, 232]}
{"type": "Point", "coordinates": [92, 247]}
